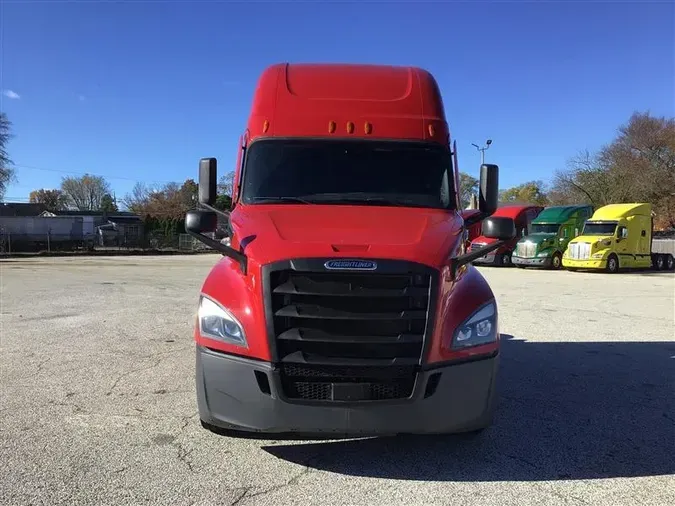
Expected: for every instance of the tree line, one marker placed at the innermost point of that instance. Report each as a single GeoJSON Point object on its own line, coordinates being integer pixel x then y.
{"type": "Point", "coordinates": [638, 165]}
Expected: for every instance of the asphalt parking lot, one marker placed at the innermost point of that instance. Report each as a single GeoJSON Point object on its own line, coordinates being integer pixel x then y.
{"type": "Point", "coordinates": [98, 407]}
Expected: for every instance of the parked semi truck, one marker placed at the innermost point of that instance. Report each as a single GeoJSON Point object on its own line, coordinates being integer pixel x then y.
{"type": "Point", "coordinates": [343, 303]}
{"type": "Point", "coordinates": [617, 236]}
{"type": "Point", "coordinates": [522, 215]}
{"type": "Point", "coordinates": [549, 234]}
{"type": "Point", "coordinates": [474, 228]}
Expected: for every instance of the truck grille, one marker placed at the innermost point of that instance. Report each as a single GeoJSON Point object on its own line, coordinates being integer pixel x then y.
{"type": "Point", "coordinates": [580, 250]}
{"type": "Point", "coordinates": [371, 383]}
{"type": "Point", "coordinates": [525, 250]}
{"type": "Point", "coordinates": [348, 335]}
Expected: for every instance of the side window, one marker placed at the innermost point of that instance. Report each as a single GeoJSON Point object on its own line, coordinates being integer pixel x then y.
{"type": "Point", "coordinates": [566, 231]}
{"type": "Point", "coordinates": [644, 233]}
{"type": "Point", "coordinates": [622, 232]}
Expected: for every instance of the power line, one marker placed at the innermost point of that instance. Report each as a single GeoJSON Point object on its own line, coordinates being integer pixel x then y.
{"type": "Point", "coordinates": [79, 173]}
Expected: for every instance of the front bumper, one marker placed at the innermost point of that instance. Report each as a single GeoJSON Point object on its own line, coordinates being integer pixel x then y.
{"type": "Point", "coordinates": [484, 260]}
{"type": "Point", "coordinates": [532, 262]}
{"type": "Point", "coordinates": [233, 394]}
{"type": "Point", "coordinates": [584, 264]}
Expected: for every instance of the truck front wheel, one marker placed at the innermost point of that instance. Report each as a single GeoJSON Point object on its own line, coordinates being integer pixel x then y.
{"type": "Point", "coordinates": [556, 261]}
{"type": "Point", "coordinates": [503, 260]}
{"type": "Point", "coordinates": [612, 264]}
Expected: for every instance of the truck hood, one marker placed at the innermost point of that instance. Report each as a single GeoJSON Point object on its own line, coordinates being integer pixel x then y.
{"type": "Point", "coordinates": [593, 239]}
{"type": "Point", "coordinates": [481, 239]}
{"type": "Point", "coordinates": [268, 233]}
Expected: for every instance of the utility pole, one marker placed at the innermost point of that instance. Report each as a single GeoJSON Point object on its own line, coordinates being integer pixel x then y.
{"type": "Point", "coordinates": [482, 150]}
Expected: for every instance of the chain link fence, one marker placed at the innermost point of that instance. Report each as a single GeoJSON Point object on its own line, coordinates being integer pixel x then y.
{"type": "Point", "coordinates": [124, 243]}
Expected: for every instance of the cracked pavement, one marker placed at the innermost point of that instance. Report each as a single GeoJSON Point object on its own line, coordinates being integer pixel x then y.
{"type": "Point", "coordinates": [97, 402]}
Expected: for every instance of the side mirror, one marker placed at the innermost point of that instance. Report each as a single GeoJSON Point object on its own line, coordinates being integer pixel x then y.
{"type": "Point", "coordinates": [500, 228]}
{"type": "Point", "coordinates": [488, 194]}
{"type": "Point", "coordinates": [208, 180]}
{"type": "Point", "coordinates": [200, 222]}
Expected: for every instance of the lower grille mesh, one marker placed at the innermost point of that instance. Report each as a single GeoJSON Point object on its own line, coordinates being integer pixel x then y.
{"type": "Point", "coordinates": [316, 382]}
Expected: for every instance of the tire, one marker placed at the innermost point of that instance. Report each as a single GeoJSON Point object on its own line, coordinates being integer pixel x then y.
{"type": "Point", "coordinates": [612, 264]}
{"type": "Point", "coordinates": [556, 261]}
{"type": "Point", "coordinates": [670, 262]}
{"type": "Point", "coordinates": [504, 259]}
{"type": "Point", "coordinates": [659, 262]}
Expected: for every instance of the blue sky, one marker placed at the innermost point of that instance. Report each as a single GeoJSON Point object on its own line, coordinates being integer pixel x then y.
{"type": "Point", "coordinates": [139, 91]}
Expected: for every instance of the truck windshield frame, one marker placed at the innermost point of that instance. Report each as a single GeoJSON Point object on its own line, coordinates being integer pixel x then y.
{"type": "Point", "coordinates": [342, 171]}
{"type": "Point", "coordinates": [600, 228]}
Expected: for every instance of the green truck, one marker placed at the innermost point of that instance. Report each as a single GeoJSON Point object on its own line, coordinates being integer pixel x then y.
{"type": "Point", "coordinates": [549, 234]}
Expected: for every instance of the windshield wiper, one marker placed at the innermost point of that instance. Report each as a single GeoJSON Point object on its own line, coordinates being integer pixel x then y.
{"type": "Point", "coordinates": [281, 199]}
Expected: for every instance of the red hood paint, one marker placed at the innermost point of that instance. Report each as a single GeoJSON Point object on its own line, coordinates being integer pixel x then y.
{"type": "Point", "coordinates": [276, 232]}
{"type": "Point", "coordinates": [481, 239]}
{"type": "Point", "coordinates": [280, 232]}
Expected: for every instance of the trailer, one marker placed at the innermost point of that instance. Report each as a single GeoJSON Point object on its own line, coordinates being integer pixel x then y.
{"type": "Point", "coordinates": [37, 233]}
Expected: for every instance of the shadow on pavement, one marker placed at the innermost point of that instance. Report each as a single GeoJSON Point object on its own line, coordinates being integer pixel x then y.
{"type": "Point", "coordinates": [566, 411]}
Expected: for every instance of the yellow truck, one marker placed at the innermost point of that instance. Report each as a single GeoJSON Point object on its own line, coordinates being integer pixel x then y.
{"type": "Point", "coordinates": [618, 236]}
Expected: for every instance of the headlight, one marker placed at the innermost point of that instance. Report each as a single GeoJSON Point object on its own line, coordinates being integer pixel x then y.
{"type": "Point", "coordinates": [215, 322]}
{"type": "Point", "coordinates": [479, 328]}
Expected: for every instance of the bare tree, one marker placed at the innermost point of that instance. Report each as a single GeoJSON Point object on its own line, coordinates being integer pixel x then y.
{"type": "Point", "coordinates": [584, 181]}
{"type": "Point", "coordinates": [7, 173]}
{"type": "Point", "coordinates": [138, 199]}
{"type": "Point", "coordinates": [637, 166]}
{"type": "Point", "coordinates": [86, 192]}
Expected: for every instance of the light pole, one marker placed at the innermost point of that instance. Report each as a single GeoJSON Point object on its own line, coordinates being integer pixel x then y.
{"type": "Point", "coordinates": [482, 150]}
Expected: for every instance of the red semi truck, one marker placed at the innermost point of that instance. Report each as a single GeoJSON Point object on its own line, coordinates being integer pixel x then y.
{"type": "Point", "coordinates": [344, 303]}
{"type": "Point", "coordinates": [474, 229]}
{"type": "Point", "coordinates": [522, 215]}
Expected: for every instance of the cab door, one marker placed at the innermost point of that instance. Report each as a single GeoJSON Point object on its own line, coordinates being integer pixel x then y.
{"type": "Point", "coordinates": [623, 250]}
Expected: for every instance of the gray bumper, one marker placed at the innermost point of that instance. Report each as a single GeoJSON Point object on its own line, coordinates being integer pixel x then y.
{"type": "Point", "coordinates": [484, 260]}
{"type": "Point", "coordinates": [230, 397]}
{"type": "Point", "coordinates": [531, 262]}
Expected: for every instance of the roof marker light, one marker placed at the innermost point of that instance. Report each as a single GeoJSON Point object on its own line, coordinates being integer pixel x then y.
{"type": "Point", "coordinates": [266, 126]}
{"type": "Point", "coordinates": [350, 127]}
{"type": "Point", "coordinates": [367, 128]}
{"type": "Point", "coordinates": [331, 127]}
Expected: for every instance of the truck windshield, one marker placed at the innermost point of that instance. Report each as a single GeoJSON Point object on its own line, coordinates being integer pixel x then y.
{"type": "Point", "coordinates": [361, 172]}
{"type": "Point", "coordinates": [596, 228]}
{"type": "Point", "coordinates": [545, 228]}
